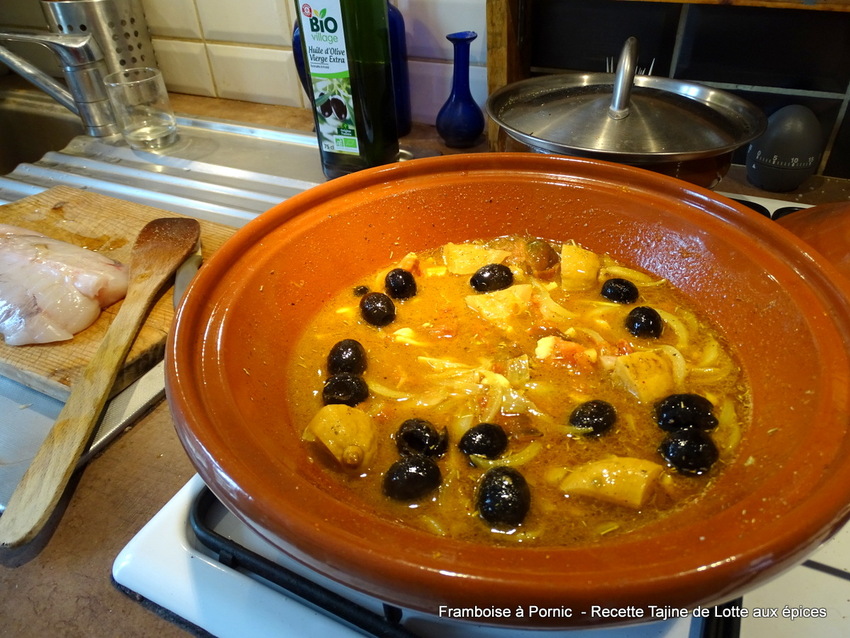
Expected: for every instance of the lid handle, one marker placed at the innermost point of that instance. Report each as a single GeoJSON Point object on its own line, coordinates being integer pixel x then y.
{"type": "Point", "coordinates": [623, 80]}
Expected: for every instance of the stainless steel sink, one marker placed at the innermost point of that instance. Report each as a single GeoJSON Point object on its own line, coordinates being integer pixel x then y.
{"type": "Point", "coordinates": [31, 124]}
{"type": "Point", "coordinates": [218, 170]}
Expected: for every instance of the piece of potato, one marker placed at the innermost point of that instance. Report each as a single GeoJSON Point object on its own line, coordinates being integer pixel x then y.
{"type": "Point", "coordinates": [347, 433]}
{"type": "Point", "coordinates": [621, 480]}
{"type": "Point", "coordinates": [647, 375]}
{"type": "Point", "coordinates": [579, 267]}
{"type": "Point", "coordinates": [501, 306]}
{"type": "Point", "coordinates": [465, 259]}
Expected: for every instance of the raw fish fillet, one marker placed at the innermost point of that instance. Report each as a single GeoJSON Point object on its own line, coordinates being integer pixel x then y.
{"type": "Point", "coordinates": [49, 289]}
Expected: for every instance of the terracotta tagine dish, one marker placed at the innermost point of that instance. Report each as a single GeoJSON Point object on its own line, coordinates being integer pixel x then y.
{"type": "Point", "coordinates": [779, 303]}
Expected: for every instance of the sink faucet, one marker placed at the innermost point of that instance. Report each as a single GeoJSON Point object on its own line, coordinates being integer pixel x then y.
{"type": "Point", "coordinates": [84, 69]}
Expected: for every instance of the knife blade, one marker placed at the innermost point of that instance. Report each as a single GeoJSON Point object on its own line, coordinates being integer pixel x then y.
{"type": "Point", "coordinates": [186, 272]}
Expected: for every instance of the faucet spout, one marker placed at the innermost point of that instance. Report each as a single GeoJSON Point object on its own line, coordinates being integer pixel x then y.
{"type": "Point", "coordinates": [40, 79]}
{"type": "Point", "coordinates": [84, 69]}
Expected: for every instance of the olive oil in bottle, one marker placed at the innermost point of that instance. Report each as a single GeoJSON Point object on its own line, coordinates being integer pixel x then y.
{"type": "Point", "coordinates": [347, 54]}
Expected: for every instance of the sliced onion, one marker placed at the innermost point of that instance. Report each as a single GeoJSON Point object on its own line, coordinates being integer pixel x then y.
{"type": "Point", "coordinates": [518, 458]}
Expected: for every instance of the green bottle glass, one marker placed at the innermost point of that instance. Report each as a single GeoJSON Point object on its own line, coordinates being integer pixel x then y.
{"type": "Point", "coordinates": [347, 55]}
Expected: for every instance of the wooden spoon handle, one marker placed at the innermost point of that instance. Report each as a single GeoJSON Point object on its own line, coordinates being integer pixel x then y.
{"type": "Point", "coordinates": [42, 485]}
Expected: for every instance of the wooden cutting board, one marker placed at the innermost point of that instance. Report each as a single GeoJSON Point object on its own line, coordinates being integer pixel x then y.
{"type": "Point", "coordinates": [109, 226]}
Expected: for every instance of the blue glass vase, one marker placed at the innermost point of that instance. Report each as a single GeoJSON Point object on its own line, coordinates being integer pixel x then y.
{"type": "Point", "coordinates": [460, 121]}
{"type": "Point", "coordinates": [401, 76]}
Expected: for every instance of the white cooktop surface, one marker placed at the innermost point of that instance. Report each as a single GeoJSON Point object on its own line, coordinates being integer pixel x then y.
{"type": "Point", "coordinates": [166, 565]}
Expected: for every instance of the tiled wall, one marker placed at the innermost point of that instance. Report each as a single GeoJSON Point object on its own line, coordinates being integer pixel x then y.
{"type": "Point", "coordinates": [242, 49]}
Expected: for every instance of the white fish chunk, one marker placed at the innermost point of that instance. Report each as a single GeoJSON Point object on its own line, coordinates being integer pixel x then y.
{"type": "Point", "coordinates": [50, 289]}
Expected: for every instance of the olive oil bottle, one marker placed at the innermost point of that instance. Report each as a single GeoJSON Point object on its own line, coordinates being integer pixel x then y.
{"type": "Point", "coordinates": [347, 54]}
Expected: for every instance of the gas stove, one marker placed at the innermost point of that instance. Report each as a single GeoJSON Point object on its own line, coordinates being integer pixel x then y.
{"type": "Point", "coordinates": [199, 565]}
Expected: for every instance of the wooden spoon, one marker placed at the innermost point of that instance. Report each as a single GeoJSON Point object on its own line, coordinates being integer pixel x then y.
{"type": "Point", "coordinates": [162, 245]}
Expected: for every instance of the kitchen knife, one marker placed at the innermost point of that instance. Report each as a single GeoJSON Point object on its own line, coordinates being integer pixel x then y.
{"type": "Point", "coordinates": [186, 272]}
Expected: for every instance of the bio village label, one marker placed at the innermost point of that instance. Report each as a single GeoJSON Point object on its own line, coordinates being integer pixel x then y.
{"type": "Point", "coordinates": [327, 61]}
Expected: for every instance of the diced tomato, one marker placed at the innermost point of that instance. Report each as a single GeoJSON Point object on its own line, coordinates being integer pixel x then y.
{"type": "Point", "coordinates": [558, 350]}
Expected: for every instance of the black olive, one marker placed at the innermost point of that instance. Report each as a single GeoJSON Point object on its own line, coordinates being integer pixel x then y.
{"type": "Point", "coordinates": [359, 291]}
{"type": "Point", "coordinates": [492, 277]}
{"type": "Point", "coordinates": [345, 388]}
{"type": "Point", "coordinates": [503, 496]}
{"type": "Point", "coordinates": [683, 411]}
{"type": "Point", "coordinates": [594, 417]}
{"type": "Point", "coordinates": [400, 283]}
{"type": "Point", "coordinates": [411, 477]}
{"type": "Point", "coordinates": [338, 107]}
{"type": "Point", "coordinates": [619, 291]}
{"type": "Point", "coordinates": [644, 322]}
{"type": "Point", "coordinates": [689, 450]}
{"type": "Point", "coordinates": [325, 107]}
{"type": "Point", "coordinates": [347, 355]}
{"type": "Point", "coordinates": [418, 436]}
{"type": "Point", "coordinates": [377, 308]}
{"type": "Point", "coordinates": [484, 439]}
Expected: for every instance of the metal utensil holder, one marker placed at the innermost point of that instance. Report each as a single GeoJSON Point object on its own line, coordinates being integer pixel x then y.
{"type": "Point", "coordinates": [118, 26]}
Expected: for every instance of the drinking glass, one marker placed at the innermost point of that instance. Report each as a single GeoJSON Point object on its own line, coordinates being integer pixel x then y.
{"type": "Point", "coordinates": [140, 103]}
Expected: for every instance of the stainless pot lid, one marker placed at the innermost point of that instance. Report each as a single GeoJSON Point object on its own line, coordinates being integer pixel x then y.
{"type": "Point", "coordinates": [625, 118]}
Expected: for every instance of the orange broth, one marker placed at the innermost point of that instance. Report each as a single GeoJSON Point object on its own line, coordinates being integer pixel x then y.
{"type": "Point", "coordinates": [524, 358]}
